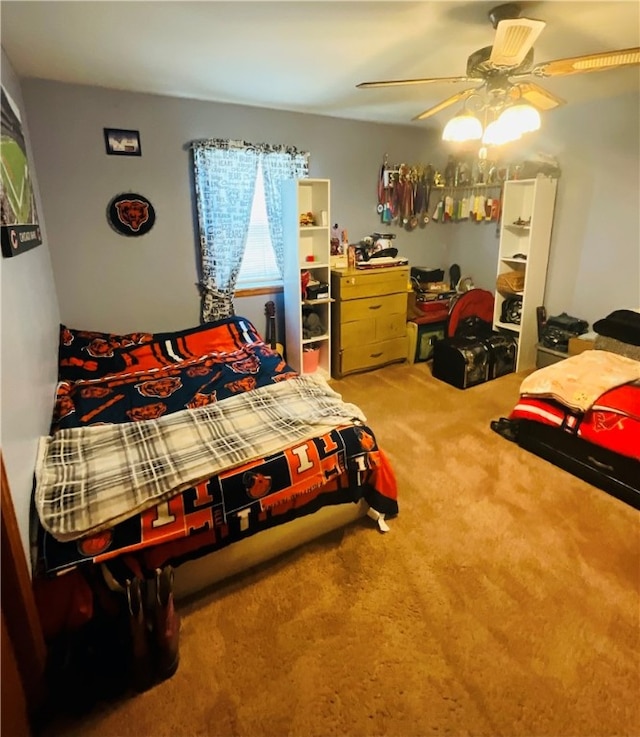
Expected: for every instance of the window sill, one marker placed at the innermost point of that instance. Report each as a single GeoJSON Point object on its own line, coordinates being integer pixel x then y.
{"type": "Point", "coordinates": [257, 291]}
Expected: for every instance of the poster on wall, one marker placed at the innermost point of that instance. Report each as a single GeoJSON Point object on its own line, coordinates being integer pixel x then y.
{"type": "Point", "coordinates": [20, 229]}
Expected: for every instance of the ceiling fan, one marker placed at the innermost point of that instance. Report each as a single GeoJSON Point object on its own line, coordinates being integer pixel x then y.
{"type": "Point", "coordinates": [504, 67]}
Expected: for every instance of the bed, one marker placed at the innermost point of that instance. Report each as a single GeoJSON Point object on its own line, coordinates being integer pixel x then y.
{"type": "Point", "coordinates": [583, 413]}
{"type": "Point", "coordinates": [201, 450]}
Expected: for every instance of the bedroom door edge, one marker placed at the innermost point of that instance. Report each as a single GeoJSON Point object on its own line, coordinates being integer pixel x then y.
{"type": "Point", "coordinates": [19, 611]}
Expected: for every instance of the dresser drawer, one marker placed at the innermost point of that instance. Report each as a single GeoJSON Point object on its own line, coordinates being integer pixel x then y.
{"type": "Point", "coordinates": [362, 309]}
{"type": "Point", "coordinates": [369, 356]}
{"type": "Point", "coordinates": [356, 284]}
{"type": "Point", "coordinates": [372, 330]}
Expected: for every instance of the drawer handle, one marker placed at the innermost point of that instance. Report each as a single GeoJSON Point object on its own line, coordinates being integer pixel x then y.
{"type": "Point", "coordinates": [375, 307]}
{"type": "Point", "coordinates": [375, 355]}
{"type": "Point", "coordinates": [599, 464]}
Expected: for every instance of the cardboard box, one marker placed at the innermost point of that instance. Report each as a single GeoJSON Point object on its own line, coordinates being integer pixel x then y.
{"type": "Point", "coordinates": [579, 344]}
{"type": "Point", "coordinates": [546, 356]}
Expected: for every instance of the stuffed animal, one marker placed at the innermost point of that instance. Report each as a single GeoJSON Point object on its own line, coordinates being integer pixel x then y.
{"type": "Point", "coordinates": [312, 326]}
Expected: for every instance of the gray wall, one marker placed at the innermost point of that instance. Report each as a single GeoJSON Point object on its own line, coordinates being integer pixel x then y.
{"type": "Point", "coordinates": [595, 261]}
{"type": "Point", "coordinates": [110, 282]}
{"type": "Point", "coordinates": [29, 344]}
{"type": "Point", "coordinates": [107, 281]}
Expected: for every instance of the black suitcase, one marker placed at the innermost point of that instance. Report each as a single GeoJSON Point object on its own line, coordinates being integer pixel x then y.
{"type": "Point", "coordinates": [461, 362]}
{"type": "Point", "coordinates": [503, 350]}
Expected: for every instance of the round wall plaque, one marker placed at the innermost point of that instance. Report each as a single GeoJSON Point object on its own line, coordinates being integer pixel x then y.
{"type": "Point", "coordinates": [131, 214]}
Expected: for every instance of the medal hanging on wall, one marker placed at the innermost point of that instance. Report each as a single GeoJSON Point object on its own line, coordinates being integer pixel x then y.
{"type": "Point", "coordinates": [387, 185]}
{"type": "Point", "coordinates": [404, 194]}
{"type": "Point", "coordinates": [419, 199]}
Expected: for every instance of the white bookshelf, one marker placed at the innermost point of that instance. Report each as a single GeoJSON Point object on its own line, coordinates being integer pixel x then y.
{"type": "Point", "coordinates": [307, 248]}
{"type": "Point", "coordinates": [525, 248]}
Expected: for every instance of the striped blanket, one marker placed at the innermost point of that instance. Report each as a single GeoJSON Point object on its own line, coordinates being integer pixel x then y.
{"type": "Point", "coordinates": [90, 478]}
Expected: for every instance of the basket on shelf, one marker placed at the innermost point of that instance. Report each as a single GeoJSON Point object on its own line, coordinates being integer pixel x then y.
{"type": "Point", "coordinates": [510, 282]}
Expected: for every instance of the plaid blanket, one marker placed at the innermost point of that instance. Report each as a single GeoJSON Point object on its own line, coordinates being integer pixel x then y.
{"type": "Point", "coordinates": [90, 478]}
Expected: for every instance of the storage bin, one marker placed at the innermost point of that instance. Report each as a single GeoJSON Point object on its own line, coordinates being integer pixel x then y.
{"type": "Point", "coordinates": [310, 360]}
{"type": "Point", "coordinates": [422, 338]}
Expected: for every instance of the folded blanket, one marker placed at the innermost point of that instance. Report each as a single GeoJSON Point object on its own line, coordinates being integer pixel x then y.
{"type": "Point", "coordinates": [89, 478]}
{"type": "Point", "coordinates": [578, 381]}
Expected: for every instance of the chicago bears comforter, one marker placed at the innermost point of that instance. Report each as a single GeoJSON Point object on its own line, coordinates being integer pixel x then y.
{"type": "Point", "coordinates": [168, 446]}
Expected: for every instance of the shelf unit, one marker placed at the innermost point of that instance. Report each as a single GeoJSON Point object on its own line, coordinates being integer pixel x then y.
{"type": "Point", "coordinates": [306, 248]}
{"type": "Point", "coordinates": [525, 237]}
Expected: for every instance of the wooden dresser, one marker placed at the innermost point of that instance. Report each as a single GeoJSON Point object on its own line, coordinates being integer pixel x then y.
{"type": "Point", "coordinates": [368, 318]}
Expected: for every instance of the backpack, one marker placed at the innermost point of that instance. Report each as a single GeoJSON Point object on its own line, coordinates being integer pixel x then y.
{"type": "Point", "coordinates": [471, 314]}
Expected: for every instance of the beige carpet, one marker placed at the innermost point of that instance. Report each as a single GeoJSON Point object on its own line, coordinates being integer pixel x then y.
{"type": "Point", "coordinates": [504, 601]}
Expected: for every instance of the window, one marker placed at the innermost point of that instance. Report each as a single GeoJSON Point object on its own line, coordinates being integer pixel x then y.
{"type": "Point", "coordinates": [237, 187]}
{"type": "Point", "coordinates": [259, 267]}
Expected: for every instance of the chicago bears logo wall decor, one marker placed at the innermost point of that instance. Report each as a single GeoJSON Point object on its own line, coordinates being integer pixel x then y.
{"type": "Point", "coordinates": [131, 214]}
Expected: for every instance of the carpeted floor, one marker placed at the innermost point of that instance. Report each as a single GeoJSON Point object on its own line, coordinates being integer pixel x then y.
{"type": "Point", "coordinates": [504, 601]}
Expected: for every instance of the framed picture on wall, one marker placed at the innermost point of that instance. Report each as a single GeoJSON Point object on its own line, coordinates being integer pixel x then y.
{"type": "Point", "coordinates": [122, 142]}
{"type": "Point", "coordinates": [20, 229]}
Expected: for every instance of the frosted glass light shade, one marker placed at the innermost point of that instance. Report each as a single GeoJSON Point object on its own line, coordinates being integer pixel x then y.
{"type": "Point", "coordinates": [464, 127]}
{"type": "Point", "coordinates": [495, 134]}
{"type": "Point", "coordinates": [522, 117]}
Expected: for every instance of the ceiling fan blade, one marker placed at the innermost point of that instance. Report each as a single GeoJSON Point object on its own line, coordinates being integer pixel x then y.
{"type": "Point", "coordinates": [400, 82]}
{"type": "Point", "coordinates": [588, 63]}
{"type": "Point", "coordinates": [535, 95]}
{"type": "Point", "coordinates": [514, 38]}
{"type": "Point", "coordinates": [458, 97]}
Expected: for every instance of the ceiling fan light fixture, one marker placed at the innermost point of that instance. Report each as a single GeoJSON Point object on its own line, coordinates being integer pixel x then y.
{"type": "Point", "coordinates": [463, 127]}
{"type": "Point", "coordinates": [495, 134]}
{"type": "Point", "coordinates": [501, 68]}
{"type": "Point", "coordinates": [521, 117]}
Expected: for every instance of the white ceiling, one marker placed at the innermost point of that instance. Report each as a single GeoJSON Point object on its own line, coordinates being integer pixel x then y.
{"type": "Point", "coordinates": [302, 56]}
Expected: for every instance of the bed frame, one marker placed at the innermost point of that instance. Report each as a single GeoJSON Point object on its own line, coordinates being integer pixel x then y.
{"type": "Point", "coordinates": [195, 576]}
{"type": "Point", "coordinates": [616, 474]}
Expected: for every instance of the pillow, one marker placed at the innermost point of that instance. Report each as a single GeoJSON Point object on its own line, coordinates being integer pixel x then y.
{"type": "Point", "coordinates": [88, 354]}
{"type": "Point", "coordinates": [622, 325]}
{"type": "Point", "coordinates": [222, 336]}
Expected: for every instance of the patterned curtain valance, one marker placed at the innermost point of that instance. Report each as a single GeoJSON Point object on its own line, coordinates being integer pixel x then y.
{"type": "Point", "coordinates": [227, 144]}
